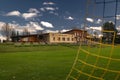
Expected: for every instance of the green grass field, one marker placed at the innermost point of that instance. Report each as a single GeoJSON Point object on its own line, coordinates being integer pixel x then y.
{"type": "Point", "coordinates": [95, 63]}
{"type": "Point", "coordinates": [36, 62]}
{"type": "Point", "coordinates": [47, 62]}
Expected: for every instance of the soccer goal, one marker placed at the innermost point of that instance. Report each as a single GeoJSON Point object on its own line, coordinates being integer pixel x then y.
{"type": "Point", "coordinates": [99, 59]}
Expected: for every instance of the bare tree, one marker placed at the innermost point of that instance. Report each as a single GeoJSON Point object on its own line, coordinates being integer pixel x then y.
{"type": "Point", "coordinates": [13, 32]}
{"type": "Point", "coordinates": [26, 31]}
{"type": "Point", "coordinates": [6, 31]}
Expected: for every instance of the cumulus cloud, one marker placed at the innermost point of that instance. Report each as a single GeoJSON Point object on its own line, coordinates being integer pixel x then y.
{"type": "Point", "coordinates": [97, 28]}
{"type": "Point", "coordinates": [33, 10]}
{"type": "Point", "coordinates": [70, 18]}
{"type": "Point", "coordinates": [14, 25]}
{"type": "Point", "coordinates": [31, 26]}
{"type": "Point", "coordinates": [52, 12]}
{"type": "Point", "coordinates": [90, 20]}
{"type": "Point", "coordinates": [1, 24]}
{"type": "Point", "coordinates": [118, 28]}
{"type": "Point", "coordinates": [48, 3]}
{"type": "Point", "coordinates": [29, 15]}
{"type": "Point", "coordinates": [51, 31]}
{"type": "Point", "coordinates": [2, 38]}
{"type": "Point", "coordinates": [98, 21]}
{"type": "Point", "coordinates": [49, 8]}
{"type": "Point", "coordinates": [94, 28]}
{"type": "Point", "coordinates": [56, 31]}
{"type": "Point", "coordinates": [118, 17]}
{"type": "Point", "coordinates": [35, 25]}
{"type": "Point", "coordinates": [64, 30]}
{"type": "Point", "coordinates": [42, 9]}
{"type": "Point", "coordinates": [13, 13]}
{"type": "Point", "coordinates": [91, 30]}
{"type": "Point", "coordinates": [46, 24]}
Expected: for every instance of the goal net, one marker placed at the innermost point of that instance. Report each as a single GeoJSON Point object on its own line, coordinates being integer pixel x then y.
{"type": "Point", "coordinates": [98, 58]}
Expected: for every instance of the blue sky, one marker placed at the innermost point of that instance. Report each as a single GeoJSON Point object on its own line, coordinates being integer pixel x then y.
{"type": "Point", "coordinates": [54, 15]}
{"type": "Point", "coordinates": [62, 14]}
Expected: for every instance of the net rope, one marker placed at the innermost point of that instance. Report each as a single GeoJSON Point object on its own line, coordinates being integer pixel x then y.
{"type": "Point", "coordinates": [80, 69]}
{"type": "Point", "coordinates": [97, 60]}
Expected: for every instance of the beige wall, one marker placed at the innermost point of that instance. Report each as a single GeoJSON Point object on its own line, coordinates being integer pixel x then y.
{"type": "Point", "coordinates": [61, 38]}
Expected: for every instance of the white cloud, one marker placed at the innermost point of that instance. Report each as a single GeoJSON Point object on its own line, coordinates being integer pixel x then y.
{"type": "Point", "coordinates": [31, 26]}
{"type": "Point", "coordinates": [91, 30]}
{"type": "Point", "coordinates": [2, 38]}
{"type": "Point", "coordinates": [35, 25]}
{"type": "Point", "coordinates": [16, 27]}
{"type": "Point", "coordinates": [42, 9]}
{"type": "Point", "coordinates": [118, 28]}
{"type": "Point", "coordinates": [97, 28]}
{"type": "Point", "coordinates": [64, 30]}
{"type": "Point", "coordinates": [33, 10]}
{"type": "Point", "coordinates": [1, 24]}
{"type": "Point", "coordinates": [29, 15]}
{"type": "Point", "coordinates": [13, 13]}
{"type": "Point", "coordinates": [48, 3]}
{"type": "Point", "coordinates": [46, 24]}
{"type": "Point", "coordinates": [56, 31]}
{"type": "Point", "coordinates": [94, 28]}
{"type": "Point", "coordinates": [90, 20]}
{"type": "Point", "coordinates": [51, 31]}
{"type": "Point", "coordinates": [52, 12]}
{"type": "Point", "coordinates": [98, 21]}
{"type": "Point", "coordinates": [118, 17]}
{"type": "Point", "coordinates": [49, 8]}
{"type": "Point", "coordinates": [70, 18]}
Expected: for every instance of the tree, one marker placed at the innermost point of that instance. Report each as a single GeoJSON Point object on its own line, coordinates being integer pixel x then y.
{"type": "Point", "coordinates": [7, 31]}
{"type": "Point", "coordinates": [109, 26]}
{"type": "Point", "coordinates": [107, 35]}
{"type": "Point", "coordinates": [26, 31]}
{"type": "Point", "coordinates": [95, 36]}
{"type": "Point", "coordinates": [13, 32]}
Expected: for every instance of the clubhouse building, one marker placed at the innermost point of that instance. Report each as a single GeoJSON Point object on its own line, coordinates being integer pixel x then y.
{"type": "Point", "coordinates": [71, 36]}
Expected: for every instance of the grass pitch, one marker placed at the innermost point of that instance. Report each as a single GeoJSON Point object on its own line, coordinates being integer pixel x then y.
{"type": "Point", "coordinates": [48, 62]}
{"type": "Point", "coordinates": [36, 62]}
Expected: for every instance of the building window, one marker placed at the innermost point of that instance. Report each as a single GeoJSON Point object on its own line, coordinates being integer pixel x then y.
{"type": "Point", "coordinates": [63, 39]}
{"type": "Point", "coordinates": [68, 39]}
{"type": "Point", "coordinates": [25, 39]}
{"type": "Point", "coordinates": [58, 38]}
{"type": "Point", "coordinates": [52, 34]}
{"type": "Point", "coordinates": [72, 39]}
{"type": "Point", "coordinates": [53, 38]}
